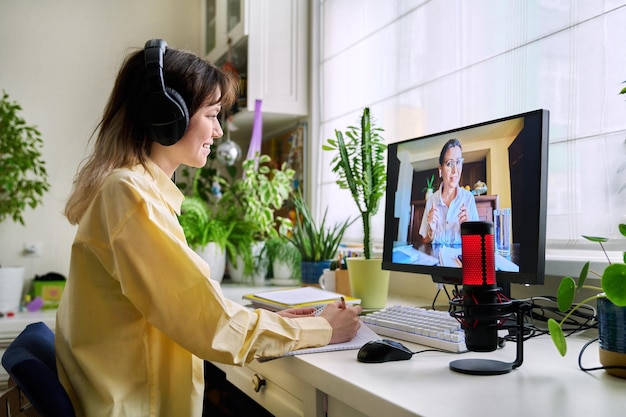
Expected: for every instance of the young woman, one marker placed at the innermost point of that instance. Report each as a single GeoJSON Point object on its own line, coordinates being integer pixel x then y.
{"type": "Point", "coordinates": [451, 205]}
{"type": "Point", "coordinates": [140, 312]}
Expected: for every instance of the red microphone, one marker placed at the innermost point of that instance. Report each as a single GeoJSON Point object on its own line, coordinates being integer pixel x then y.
{"type": "Point", "coordinates": [482, 306]}
{"type": "Point", "coordinates": [479, 286]}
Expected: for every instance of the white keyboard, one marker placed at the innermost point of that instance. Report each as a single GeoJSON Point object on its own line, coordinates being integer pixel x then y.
{"type": "Point", "coordinates": [436, 329]}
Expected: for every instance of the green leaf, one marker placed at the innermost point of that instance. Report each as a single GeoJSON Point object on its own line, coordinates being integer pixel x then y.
{"type": "Point", "coordinates": [558, 338]}
{"type": "Point", "coordinates": [614, 283]}
{"type": "Point", "coordinates": [565, 293]}
{"type": "Point", "coordinates": [595, 238]}
{"type": "Point", "coordinates": [622, 227]}
{"type": "Point", "coordinates": [583, 275]}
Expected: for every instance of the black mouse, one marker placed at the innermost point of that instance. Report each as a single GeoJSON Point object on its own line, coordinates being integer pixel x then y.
{"type": "Point", "coordinates": [383, 350]}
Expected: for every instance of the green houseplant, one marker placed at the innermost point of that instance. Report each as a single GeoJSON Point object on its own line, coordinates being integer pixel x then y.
{"type": "Point", "coordinates": [207, 234]}
{"type": "Point", "coordinates": [284, 257]}
{"type": "Point", "coordinates": [317, 243]}
{"type": "Point", "coordinates": [251, 202]}
{"type": "Point", "coordinates": [613, 289]}
{"type": "Point", "coordinates": [23, 181]}
{"type": "Point", "coordinates": [360, 164]}
{"type": "Point", "coordinates": [23, 175]}
{"type": "Point", "coordinates": [428, 189]}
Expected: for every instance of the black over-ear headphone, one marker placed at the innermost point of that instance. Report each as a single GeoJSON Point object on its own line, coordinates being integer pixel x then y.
{"type": "Point", "coordinates": [166, 113]}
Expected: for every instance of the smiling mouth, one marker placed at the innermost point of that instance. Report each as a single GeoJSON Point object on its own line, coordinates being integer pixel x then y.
{"type": "Point", "coordinates": [206, 146]}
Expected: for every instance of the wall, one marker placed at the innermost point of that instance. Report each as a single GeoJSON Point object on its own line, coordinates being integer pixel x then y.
{"type": "Point", "coordinates": [429, 66]}
{"type": "Point", "coordinates": [59, 61]}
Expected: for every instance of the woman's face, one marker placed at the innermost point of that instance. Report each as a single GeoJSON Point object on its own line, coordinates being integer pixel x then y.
{"type": "Point", "coordinates": [194, 147]}
{"type": "Point", "coordinates": [452, 167]}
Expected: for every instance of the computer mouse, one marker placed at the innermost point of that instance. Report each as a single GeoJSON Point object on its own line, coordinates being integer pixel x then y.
{"type": "Point", "coordinates": [383, 350]}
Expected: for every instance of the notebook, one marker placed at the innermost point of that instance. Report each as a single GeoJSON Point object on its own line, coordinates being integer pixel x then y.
{"type": "Point", "coordinates": [296, 297]}
{"type": "Point", "coordinates": [364, 335]}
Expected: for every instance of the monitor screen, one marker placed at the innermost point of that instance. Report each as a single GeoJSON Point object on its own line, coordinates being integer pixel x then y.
{"type": "Point", "coordinates": [494, 171]}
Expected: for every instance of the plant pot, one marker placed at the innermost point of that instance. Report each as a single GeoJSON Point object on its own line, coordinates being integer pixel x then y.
{"type": "Point", "coordinates": [312, 271]}
{"type": "Point", "coordinates": [282, 270]}
{"type": "Point", "coordinates": [216, 258]}
{"type": "Point", "coordinates": [236, 269]}
{"type": "Point", "coordinates": [369, 282]}
{"type": "Point", "coordinates": [612, 334]}
{"type": "Point", "coordinates": [11, 287]}
{"type": "Point", "coordinates": [428, 193]}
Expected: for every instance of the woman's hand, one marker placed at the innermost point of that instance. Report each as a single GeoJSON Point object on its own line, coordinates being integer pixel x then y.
{"type": "Point", "coordinates": [433, 219]}
{"type": "Point", "coordinates": [463, 214]}
{"type": "Point", "coordinates": [344, 321]}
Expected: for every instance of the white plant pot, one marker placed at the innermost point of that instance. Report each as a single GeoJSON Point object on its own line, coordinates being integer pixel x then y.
{"type": "Point", "coordinates": [258, 274]}
{"type": "Point", "coordinates": [282, 271]}
{"type": "Point", "coordinates": [216, 258]}
{"type": "Point", "coordinates": [235, 269]}
{"type": "Point", "coordinates": [11, 286]}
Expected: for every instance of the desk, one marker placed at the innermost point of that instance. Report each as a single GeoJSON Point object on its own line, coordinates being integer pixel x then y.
{"type": "Point", "coordinates": [544, 385]}
{"type": "Point", "coordinates": [307, 385]}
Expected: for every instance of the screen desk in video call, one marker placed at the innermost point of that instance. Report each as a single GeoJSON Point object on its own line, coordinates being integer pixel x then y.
{"type": "Point", "coordinates": [334, 384]}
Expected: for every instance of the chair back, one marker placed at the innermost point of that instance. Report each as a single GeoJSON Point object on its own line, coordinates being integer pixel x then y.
{"type": "Point", "coordinates": [31, 363]}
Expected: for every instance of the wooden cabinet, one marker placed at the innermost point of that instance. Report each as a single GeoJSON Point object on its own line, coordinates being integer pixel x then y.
{"type": "Point", "coordinates": [485, 204]}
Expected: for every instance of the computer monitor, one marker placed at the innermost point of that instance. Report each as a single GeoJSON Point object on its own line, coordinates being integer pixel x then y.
{"type": "Point", "coordinates": [495, 165]}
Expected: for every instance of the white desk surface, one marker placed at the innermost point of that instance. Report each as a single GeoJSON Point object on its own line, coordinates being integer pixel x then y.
{"type": "Point", "coordinates": [544, 385]}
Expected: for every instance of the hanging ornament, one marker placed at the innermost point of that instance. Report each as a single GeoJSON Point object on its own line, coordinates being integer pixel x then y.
{"type": "Point", "coordinates": [228, 152]}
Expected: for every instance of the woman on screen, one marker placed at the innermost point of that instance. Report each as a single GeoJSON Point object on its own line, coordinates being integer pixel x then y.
{"type": "Point", "coordinates": [451, 205]}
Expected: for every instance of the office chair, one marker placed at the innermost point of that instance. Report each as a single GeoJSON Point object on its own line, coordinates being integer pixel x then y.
{"type": "Point", "coordinates": [31, 364]}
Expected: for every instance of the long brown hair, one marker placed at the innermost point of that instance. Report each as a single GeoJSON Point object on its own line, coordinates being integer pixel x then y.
{"type": "Point", "coordinates": [122, 140]}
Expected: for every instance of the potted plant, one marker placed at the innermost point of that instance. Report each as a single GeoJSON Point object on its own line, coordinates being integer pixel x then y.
{"type": "Point", "coordinates": [316, 243]}
{"type": "Point", "coordinates": [360, 165]}
{"type": "Point", "coordinates": [611, 301]}
{"type": "Point", "coordinates": [23, 181]}
{"type": "Point", "coordinates": [428, 190]}
{"type": "Point", "coordinates": [23, 175]}
{"type": "Point", "coordinates": [206, 234]}
{"type": "Point", "coordinates": [285, 260]}
{"type": "Point", "coordinates": [252, 201]}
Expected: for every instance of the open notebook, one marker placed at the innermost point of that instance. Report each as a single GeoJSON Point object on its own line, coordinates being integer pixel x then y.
{"type": "Point", "coordinates": [296, 297]}
{"type": "Point", "coordinates": [364, 335]}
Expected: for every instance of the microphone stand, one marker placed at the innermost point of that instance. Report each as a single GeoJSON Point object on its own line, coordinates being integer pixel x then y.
{"type": "Point", "coordinates": [490, 366]}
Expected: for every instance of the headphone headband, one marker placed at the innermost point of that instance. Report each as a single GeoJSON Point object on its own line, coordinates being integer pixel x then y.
{"type": "Point", "coordinates": [166, 114]}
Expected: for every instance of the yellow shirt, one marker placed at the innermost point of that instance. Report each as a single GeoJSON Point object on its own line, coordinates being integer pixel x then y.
{"type": "Point", "coordinates": [139, 310]}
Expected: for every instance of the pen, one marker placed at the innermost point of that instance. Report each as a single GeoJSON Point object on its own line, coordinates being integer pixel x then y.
{"type": "Point", "coordinates": [343, 303]}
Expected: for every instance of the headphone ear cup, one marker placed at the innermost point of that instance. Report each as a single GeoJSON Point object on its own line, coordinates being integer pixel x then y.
{"type": "Point", "coordinates": [167, 116]}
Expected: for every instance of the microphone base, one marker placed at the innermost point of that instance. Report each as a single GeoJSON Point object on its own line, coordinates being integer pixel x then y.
{"type": "Point", "coordinates": [473, 366]}
{"type": "Point", "coordinates": [481, 366]}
